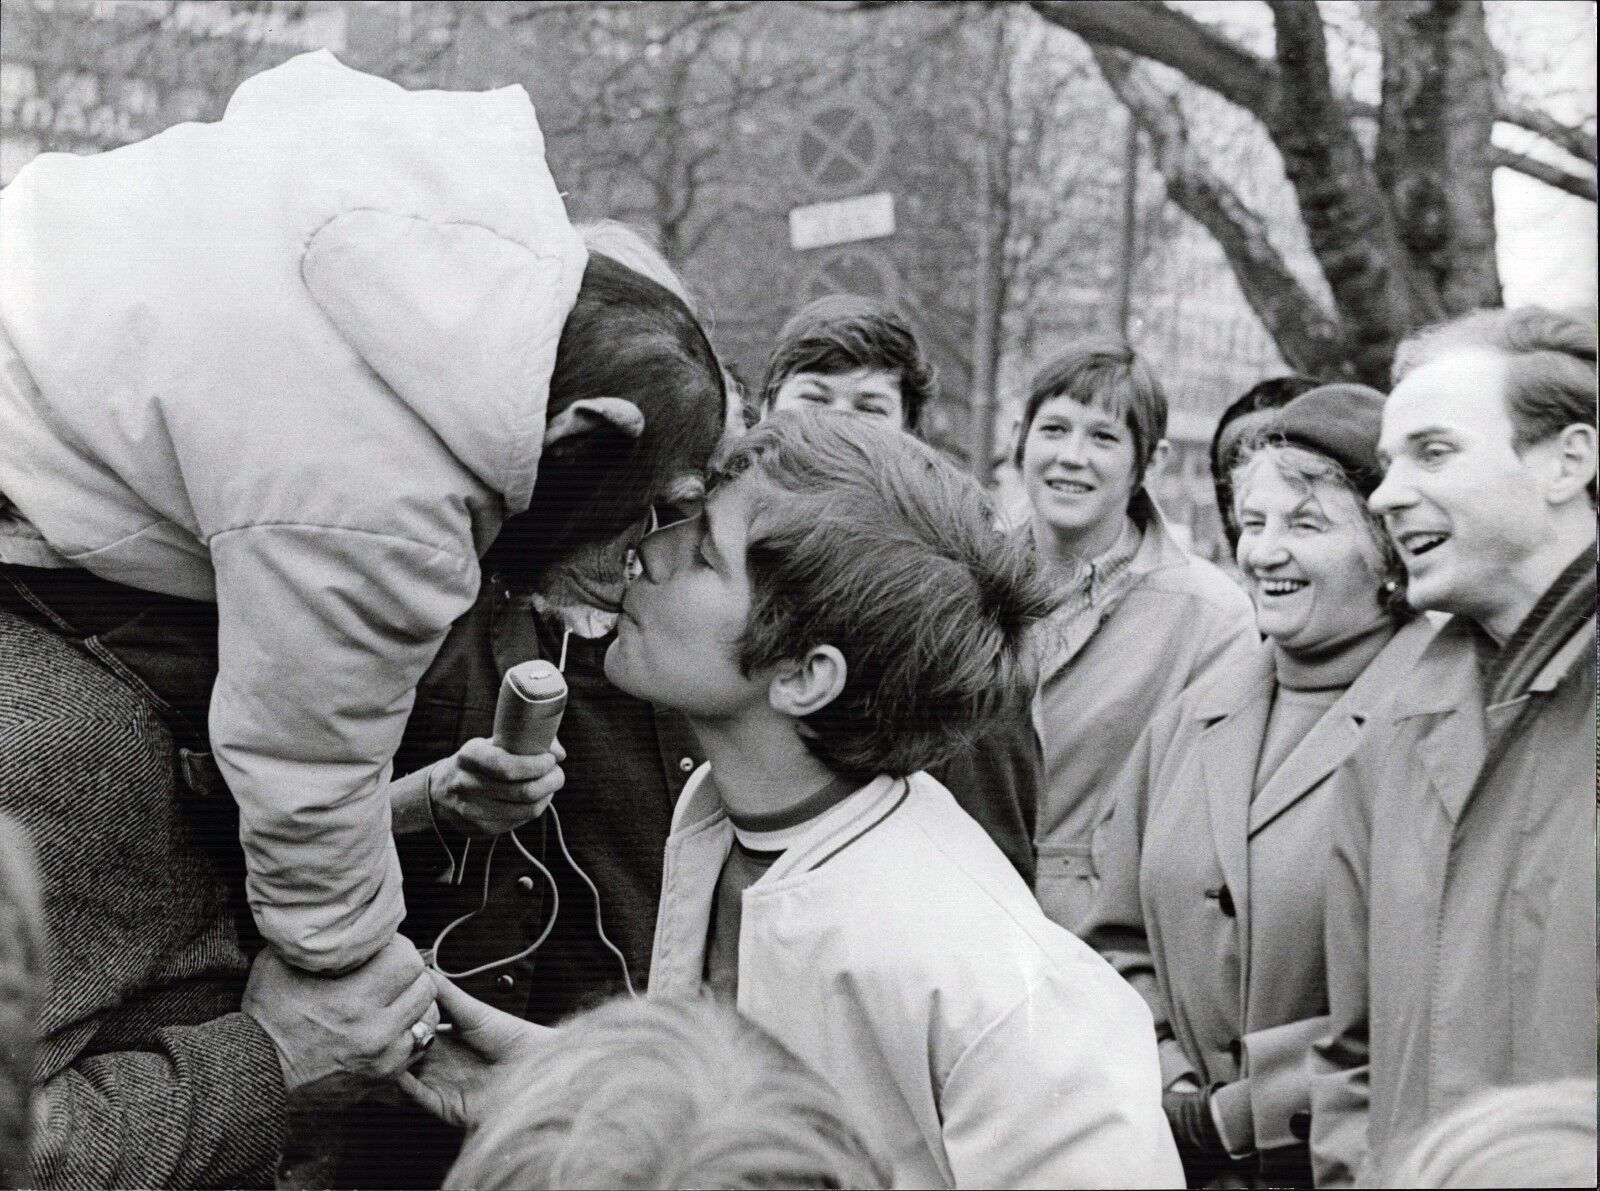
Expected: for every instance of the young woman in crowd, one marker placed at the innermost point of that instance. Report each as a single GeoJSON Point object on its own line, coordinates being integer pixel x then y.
{"type": "Point", "coordinates": [1140, 618]}
{"type": "Point", "coordinates": [1210, 896]}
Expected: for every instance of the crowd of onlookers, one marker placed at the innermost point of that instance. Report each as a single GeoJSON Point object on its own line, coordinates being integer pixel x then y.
{"type": "Point", "coordinates": [883, 845]}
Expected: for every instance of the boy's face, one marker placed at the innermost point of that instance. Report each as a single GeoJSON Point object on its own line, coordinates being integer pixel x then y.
{"type": "Point", "coordinates": [864, 391]}
{"type": "Point", "coordinates": [683, 616]}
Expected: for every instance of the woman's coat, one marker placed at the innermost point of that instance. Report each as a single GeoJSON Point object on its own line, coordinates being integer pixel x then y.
{"type": "Point", "coordinates": [1101, 683]}
{"type": "Point", "coordinates": [295, 362]}
{"type": "Point", "coordinates": [1211, 902]}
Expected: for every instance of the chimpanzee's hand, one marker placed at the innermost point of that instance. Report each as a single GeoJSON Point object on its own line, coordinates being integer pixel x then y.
{"type": "Point", "coordinates": [484, 790]}
{"type": "Point", "coordinates": [339, 1037]}
{"type": "Point", "coordinates": [456, 1079]}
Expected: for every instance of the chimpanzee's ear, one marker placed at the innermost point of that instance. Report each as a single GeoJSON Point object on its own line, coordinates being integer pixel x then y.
{"type": "Point", "coordinates": [590, 414]}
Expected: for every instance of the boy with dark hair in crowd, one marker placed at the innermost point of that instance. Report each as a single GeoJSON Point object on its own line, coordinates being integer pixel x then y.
{"type": "Point", "coordinates": [850, 353]}
{"type": "Point", "coordinates": [858, 355]}
{"type": "Point", "coordinates": [842, 615]}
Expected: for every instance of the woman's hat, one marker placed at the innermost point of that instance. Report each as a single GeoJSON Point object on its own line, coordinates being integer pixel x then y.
{"type": "Point", "coordinates": [1341, 421]}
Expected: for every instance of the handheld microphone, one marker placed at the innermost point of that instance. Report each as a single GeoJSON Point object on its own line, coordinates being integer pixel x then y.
{"type": "Point", "coordinates": [532, 697]}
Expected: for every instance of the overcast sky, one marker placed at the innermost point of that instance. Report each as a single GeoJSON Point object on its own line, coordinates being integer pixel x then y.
{"type": "Point", "coordinates": [1547, 246]}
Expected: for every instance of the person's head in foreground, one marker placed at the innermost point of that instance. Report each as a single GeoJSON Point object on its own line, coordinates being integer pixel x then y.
{"type": "Point", "coordinates": [1540, 1135]}
{"type": "Point", "coordinates": [844, 590]}
{"type": "Point", "coordinates": [1093, 428]}
{"type": "Point", "coordinates": [849, 353]}
{"type": "Point", "coordinates": [1319, 567]}
{"type": "Point", "coordinates": [1489, 448]}
{"type": "Point", "coordinates": [665, 1093]}
{"type": "Point", "coordinates": [1240, 424]}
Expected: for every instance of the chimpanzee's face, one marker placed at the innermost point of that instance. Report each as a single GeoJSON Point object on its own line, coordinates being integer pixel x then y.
{"type": "Point", "coordinates": [591, 579]}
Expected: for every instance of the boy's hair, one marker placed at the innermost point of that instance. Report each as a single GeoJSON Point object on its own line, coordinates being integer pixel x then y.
{"type": "Point", "coordinates": [666, 1093]}
{"type": "Point", "coordinates": [1108, 376]}
{"type": "Point", "coordinates": [846, 333]}
{"type": "Point", "coordinates": [1550, 364]}
{"type": "Point", "coordinates": [868, 540]}
{"type": "Point", "coordinates": [627, 337]}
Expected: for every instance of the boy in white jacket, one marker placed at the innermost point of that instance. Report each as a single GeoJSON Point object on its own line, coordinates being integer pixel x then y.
{"type": "Point", "coordinates": [840, 616]}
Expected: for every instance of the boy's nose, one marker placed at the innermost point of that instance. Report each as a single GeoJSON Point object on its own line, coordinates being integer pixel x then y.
{"type": "Point", "coordinates": [653, 553]}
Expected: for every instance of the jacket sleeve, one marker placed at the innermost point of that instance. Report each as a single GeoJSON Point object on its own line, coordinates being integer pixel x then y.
{"type": "Point", "coordinates": [1276, 1063]}
{"type": "Point", "coordinates": [1115, 924]}
{"type": "Point", "coordinates": [1035, 1103]}
{"type": "Point", "coordinates": [322, 636]}
{"type": "Point", "coordinates": [1339, 1060]}
{"type": "Point", "coordinates": [202, 1106]}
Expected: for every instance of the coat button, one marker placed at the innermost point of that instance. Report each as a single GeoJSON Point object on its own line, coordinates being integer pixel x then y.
{"type": "Point", "coordinates": [1223, 896]}
{"type": "Point", "coordinates": [506, 982]}
{"type": "Point", "coordinates": [1300, 1125]}
{"type": "Point", "coordinates": [525, 884]}
{"type": "Point", "coordinates": [686, 765]}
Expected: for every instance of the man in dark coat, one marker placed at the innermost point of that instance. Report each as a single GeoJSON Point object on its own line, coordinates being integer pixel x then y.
{"type": "Point", "coordinates": [1461, 898]}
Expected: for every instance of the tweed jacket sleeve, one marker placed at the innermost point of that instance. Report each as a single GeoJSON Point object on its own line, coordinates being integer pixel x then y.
{"type": "Point", "coordinates": [147, 1074]}
{"type": "Point", "coordinates": [201, 1107]}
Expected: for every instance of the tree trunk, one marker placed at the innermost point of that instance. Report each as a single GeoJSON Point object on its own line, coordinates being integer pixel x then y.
{"type": "Point", "coordinates": [1378, 293]}
{"type": "Point", "coordinates": [990, 297]}
{"type": "Point", "coordinates": [1309, 339]}
{"type": "Point", "coordinates": [1434, 155]}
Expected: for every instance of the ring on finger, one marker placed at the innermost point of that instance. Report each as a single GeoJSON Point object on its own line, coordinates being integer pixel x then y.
{"type": "Point", "coordinates": [422, 1035]}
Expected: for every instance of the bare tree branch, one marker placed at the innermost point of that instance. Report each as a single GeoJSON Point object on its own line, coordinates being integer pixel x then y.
{"type": "Point", "coordinates": [1434, 153]}
{"type": "Point", "coordinates": [1150, 29]}
{"type": "Point", "coordinates": [1309, 338]}
{"type": "Point", "coordinates": [1347, 214]}
{"type": "Point", "coordinates": [1577, 141]}
{"type": "Point", "coordinates": [1174, 39]}
{"type": "Point", "coordinates": [1550, 175]}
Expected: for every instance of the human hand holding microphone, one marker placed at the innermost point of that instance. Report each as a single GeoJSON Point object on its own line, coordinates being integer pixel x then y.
{"type": "Point", "coordinates": [492, 786]}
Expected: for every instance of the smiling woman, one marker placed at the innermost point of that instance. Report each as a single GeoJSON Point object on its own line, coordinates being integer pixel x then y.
{"type": "Point", "coordinates": [1208, 857]}
{"type": "Point", "coordinates": [1139, 619]}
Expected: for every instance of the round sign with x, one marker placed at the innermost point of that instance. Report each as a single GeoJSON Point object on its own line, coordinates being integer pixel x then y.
{"type": "Point", "coordinates": [854, 270]}
{"type": "Point", "coordinates": [840, 147]}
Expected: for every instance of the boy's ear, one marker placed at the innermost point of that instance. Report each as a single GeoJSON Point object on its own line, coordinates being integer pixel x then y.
{"type": "Point", "coordinates": [810, 684]}
{"type": "Point", "coordinates": [589, 414]}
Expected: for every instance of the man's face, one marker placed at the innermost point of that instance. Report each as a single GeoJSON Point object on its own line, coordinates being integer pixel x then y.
{"type": "Point", "coordinates": [683, 616]}
{"type": "Point", "coordinates": [1466, 511]}
{"type": "Point", "coordinates": [875, 394]}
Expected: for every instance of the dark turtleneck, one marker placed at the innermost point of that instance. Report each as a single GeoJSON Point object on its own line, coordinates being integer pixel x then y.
{"type": "Point", "coordinates": [1309, 682]}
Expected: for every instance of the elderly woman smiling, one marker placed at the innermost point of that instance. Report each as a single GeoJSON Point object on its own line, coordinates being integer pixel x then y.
{"type": "Point", "coordinates": [1212, 853]}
